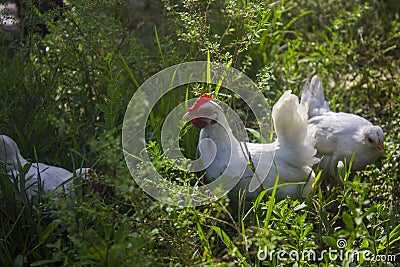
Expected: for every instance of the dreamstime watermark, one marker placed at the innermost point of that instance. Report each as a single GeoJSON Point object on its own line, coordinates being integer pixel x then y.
{"type": "Point", "coordinates": [137, 116]}
{"type": "Point", "coordinates": [310, 255]}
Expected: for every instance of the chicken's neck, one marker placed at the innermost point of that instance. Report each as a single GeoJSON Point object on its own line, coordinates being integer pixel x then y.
{"type": "Point", "coordinates": [226, 146]}
{"type": "Point", "coordinates": [221, 134]}
{"type": "Point", "coordinates": [18, 160]}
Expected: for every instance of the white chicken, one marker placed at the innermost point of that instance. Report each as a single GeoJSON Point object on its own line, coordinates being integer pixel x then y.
{"type": "Point", "coordinates": [339, 135]}
{"type": "Point", "coordinates": [290, 153]}
{"type": "Point", "coordinates": [51, 177]}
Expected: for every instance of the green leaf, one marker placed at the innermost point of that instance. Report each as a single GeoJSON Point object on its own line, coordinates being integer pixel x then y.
{"type": "Point", "coordinates": [307, 230]}
{"type": "Point", "coordinates": [394, 235]}
{"type": "Point", "coordinates": [259, 199]}
{"type": "Point", "coordinates": [128, 69]}
{"type": "Point", "coordinates": [330, 241]}
{"type": "Point", "coordinates": [203, 238]}
{"type": "Point", "coordinates": [229, 244]}
{"type": "Point", "coordinates": [348, 221]}
{"type": "Point", "coordinates": [271, 201]}
{"type": "Point", "coordinates": [159, 46]}
{"type": "Point", "coordinates": [49, 230]}
{"type": "Point", "coordinates": [103, 108]}
{"type": "Point", "coordinates": [43, 262]}
{"type": "Point", "coordinates": [255, 133]}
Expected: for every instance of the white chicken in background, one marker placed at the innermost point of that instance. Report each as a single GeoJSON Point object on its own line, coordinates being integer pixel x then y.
{"type": "Point", "coordinates": [290, 153]}
{"type": "Point", "coordinates": [339, 135]}
{"type": "Point", "coordinates": [51, 177]}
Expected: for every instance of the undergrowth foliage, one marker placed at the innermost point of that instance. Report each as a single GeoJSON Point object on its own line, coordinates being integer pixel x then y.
{"type": "Point", "coordinates": [63, 96]}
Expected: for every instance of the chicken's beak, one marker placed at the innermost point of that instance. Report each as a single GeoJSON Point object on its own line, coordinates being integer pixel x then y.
{"type": "Point", "coordinates": [379, 147]}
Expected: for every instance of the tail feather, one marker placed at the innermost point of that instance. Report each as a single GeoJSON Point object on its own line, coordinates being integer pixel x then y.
{"type": "Point", "coordinates": [290, 119]}
{"type": "Point", "coordinates": [291, 125]}
{"type": "Point", "coordinates": [313, 95]}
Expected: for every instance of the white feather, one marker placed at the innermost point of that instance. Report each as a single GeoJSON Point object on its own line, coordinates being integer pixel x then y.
{"type": "Point", "coordinates": [51, 177]}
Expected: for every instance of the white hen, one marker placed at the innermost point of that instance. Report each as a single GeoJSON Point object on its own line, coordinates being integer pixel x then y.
{"type": "Point", "coordinates": [51, 177]}
{"type": "Point", "coordinates": [339, 135]}
{"type": "Point", "coordinates": [290, 152]}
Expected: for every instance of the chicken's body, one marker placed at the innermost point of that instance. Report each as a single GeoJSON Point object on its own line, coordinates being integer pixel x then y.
{"type": "Point", "coordinates": [289, 154]}
{"type": "Point", "coordinates": [51, 177]}
{"type": "Point", "coordinates": [339, 135]}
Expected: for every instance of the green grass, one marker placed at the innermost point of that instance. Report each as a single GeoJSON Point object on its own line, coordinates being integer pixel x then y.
{"type": "Point", "coordinates": [66, 106]}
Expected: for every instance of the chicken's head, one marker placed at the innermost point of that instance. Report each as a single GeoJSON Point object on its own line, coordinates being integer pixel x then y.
{"type": "Point", "coordinates": [374, 137]}
{"type": "Point", "coordinates": [204, 112]}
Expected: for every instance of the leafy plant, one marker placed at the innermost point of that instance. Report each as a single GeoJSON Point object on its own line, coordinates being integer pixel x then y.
{"type": "Point", "coordinates": [63, 97]}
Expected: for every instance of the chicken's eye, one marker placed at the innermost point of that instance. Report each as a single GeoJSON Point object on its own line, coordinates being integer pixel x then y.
{"type": "Point", "coordinates": [370, 140]}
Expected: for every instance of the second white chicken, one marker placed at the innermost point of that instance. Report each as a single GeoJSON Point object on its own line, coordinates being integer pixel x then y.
{"type": "Point", "coordinates": [339, 135]}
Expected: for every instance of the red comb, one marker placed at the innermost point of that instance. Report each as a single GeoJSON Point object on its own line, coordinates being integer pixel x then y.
{"type": "Point", "coordinates": [204, 98]}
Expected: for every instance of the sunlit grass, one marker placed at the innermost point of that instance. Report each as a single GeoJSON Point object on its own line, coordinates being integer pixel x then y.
{"type": "Point", "coordinates": [63, 98]}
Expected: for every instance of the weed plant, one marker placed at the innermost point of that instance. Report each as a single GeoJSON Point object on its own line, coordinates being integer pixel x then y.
{"type": "Point", "coordinates": [63, 97]}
